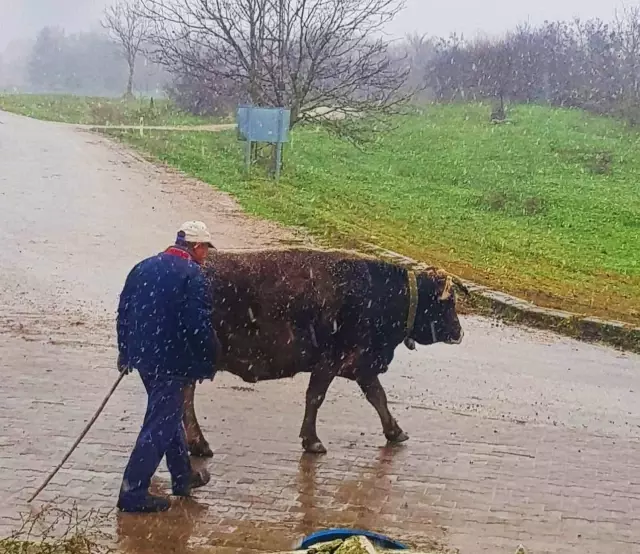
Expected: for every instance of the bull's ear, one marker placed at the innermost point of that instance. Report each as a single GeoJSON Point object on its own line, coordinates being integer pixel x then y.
{"type": "Point", "coordinates": [459, 285]}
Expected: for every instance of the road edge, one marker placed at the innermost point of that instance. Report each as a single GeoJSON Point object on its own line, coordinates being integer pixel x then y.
{"type": "Point", "coordinates": [485, 301]}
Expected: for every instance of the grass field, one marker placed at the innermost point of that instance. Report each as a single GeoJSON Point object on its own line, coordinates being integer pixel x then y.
{"type": "Point", "coordinates": [546, 207]}
{"type": "Point", "coordinates": [98, 111]}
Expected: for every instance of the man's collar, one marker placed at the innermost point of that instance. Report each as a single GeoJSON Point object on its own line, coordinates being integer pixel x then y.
{"type": "Point", "coordinates": [180, 252]}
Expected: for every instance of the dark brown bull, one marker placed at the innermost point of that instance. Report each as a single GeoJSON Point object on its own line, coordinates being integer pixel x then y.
{"type": "Point", "coordinates": [332, 314]}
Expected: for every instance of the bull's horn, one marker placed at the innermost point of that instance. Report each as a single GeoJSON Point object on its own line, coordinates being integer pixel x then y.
{"type": "Point", "coordinates": [453, 281]}
{"type": "Point", "coordinates": [448, 286]}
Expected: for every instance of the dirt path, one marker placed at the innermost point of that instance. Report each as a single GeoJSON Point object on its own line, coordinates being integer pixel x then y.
{"type": "Point", "coordinates": [79, 210]}
{"type": "Point", "coordinates": [516, 436]}
{"type": "Point", "coordinates": [211, 128]}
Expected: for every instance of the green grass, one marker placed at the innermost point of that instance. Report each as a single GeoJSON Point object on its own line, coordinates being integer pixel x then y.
{"type": "Point", "coordinates": [547, 207]}
{"type": "Point", "coordinates": [98, 111]}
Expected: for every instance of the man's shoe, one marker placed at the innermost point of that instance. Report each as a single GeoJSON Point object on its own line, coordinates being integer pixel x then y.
{"type": "Point", "coordinates": [148, 504]}
{"type": "Point", "coordinates": [196, 480]}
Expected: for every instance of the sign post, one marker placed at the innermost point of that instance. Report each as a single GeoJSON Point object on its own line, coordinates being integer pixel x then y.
{"type": "Point", "coordinates": [270, 125]}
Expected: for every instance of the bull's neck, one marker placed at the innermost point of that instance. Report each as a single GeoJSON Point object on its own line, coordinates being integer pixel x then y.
{"type": "Point", "coordinates": [392, 296]}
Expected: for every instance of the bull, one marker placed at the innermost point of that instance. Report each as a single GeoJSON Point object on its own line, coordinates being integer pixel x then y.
{"type": "Point", "coordinates": [328, 313]}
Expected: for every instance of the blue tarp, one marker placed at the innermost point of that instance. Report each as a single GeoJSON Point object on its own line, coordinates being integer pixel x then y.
{"type": "Point", "coordinates": [329, 535]}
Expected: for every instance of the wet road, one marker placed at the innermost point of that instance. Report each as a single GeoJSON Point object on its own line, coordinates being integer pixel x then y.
{"type": "Point", "coordinates": [516, 436]}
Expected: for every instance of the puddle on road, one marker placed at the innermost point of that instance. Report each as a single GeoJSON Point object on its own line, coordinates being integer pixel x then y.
{"type": "Point", "coordinates": [321, 495]}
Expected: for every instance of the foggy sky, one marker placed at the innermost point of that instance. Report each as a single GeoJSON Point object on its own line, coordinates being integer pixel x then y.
{"type": "Point", "coordinates": [23, 18]}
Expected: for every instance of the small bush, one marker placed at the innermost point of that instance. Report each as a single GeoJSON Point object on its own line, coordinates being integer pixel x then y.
{"type": "Point", "coordinates": [105, 114]}
{"type": "Point", "coordinates": [511, 203]}
{"type": "Point", "coordinates": [495, 200]}
{"type": "Point", "coordinates": [533, 205]}
{"type": "Point", "coordinates": [201, 98]}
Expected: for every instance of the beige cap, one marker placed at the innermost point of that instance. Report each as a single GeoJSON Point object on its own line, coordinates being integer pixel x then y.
{"type": "Point", "coordinates": [195, 232]}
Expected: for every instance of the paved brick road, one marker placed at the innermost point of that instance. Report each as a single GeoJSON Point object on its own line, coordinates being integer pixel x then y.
{"type": "Point", "coordinates": [516, 436]}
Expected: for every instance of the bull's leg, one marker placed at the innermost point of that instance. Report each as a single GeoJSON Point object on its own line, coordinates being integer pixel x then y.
{"type": "Point", "coordinates": [375, 394]}
{"type": "Point", "coordinates": [197, 444]}
{"type": "Point", "coordinates": [316, 392]}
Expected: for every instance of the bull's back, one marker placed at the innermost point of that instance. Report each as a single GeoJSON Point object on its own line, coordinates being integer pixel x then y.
{"type": "Point", "coordinates": [276, 311]}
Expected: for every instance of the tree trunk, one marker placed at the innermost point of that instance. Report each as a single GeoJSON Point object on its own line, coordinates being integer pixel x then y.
{"type": "Point", "coordinates": [129, 94]}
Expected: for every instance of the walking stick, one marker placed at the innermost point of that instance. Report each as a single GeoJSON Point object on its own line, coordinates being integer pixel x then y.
{"type": "Point", "coordinates": [84, 432]}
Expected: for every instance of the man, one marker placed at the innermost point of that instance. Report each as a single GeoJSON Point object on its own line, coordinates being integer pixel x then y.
{"type": "Point", "coordinates": [165, 331]}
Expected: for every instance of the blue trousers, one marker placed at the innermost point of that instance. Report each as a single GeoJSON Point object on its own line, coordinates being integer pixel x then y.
{"type": "Point", "coordinates": [162, 434]}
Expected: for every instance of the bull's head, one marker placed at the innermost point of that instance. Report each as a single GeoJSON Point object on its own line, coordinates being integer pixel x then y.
{"type": "Point", "coordinates": [436, 318]}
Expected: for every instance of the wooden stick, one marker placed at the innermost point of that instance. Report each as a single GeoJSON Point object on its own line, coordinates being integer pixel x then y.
{"type": "Point", "coordinates": [82, 435]}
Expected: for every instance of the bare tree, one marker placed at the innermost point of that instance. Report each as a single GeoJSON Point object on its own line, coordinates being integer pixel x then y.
{"type": "Point", "coordinates": [419, 51]}
{"type": "Point", "coordinates": [627, 33]}
{"type": "Point", "coordinates": [129, 29]}
{"type": "Point", "coordinates": [326, 60]}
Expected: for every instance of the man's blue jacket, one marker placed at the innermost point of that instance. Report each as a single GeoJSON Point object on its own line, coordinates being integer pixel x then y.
{"type": "Point", "coordinates": [164, 323]}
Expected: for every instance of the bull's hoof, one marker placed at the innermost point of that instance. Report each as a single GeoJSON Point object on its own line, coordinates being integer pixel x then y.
{"type": "Point", "coordinates": [397, 438]}
{"type": "Point", "coordinates": [313, 447]}
{"type": "Point", "coordinates": [201, 450]}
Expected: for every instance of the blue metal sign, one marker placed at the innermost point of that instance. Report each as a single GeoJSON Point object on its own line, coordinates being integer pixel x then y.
{"type": "Point", "coordinates": [263, 124]}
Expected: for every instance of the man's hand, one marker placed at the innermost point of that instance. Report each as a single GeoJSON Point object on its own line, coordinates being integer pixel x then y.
{"type": "Point", "coordinates": [121, 367]}
{"type": "Point", "coordinates": [218, 350]}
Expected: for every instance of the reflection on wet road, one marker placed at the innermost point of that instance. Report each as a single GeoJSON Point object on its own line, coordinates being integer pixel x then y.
{"type": "Point", "coordinates": [316, 497]}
